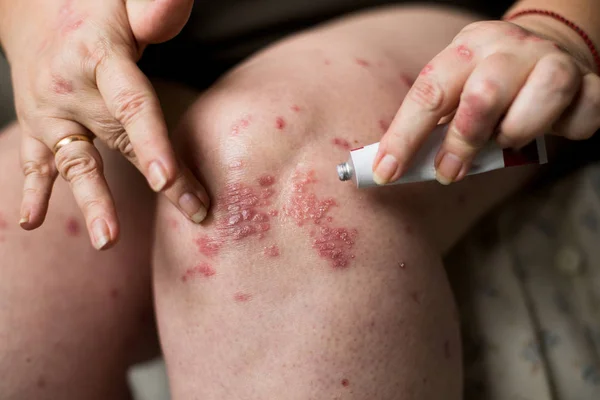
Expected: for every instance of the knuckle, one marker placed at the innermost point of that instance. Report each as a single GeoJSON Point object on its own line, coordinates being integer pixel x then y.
{"type": "Point", "coordinates": [121, 142]}
{"type": "Point", "coordinates": [79, 166]}
{"type": "Point", "coordinates": [130, 106]}
{"type": "Point", "coordinates": [41, 169]}
{"type": "Point", "coordinates": [476, 107]}
{"type": "Point", "coordinates": [427, 93]}
{"type": "Point", "coordinates": [559, 74]}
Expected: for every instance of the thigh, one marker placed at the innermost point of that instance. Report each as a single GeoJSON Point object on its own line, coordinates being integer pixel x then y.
{"type": "Point", "coordinates": [72, 319]}
{"type": "Point", "coordinates": [298, 283]}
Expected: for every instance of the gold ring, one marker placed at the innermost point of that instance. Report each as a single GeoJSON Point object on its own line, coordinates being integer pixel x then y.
{"type": "Point", "coordinates": [70, 139]}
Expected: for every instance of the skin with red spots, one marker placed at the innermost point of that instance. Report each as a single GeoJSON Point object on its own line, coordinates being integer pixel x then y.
{"type": "Point", "coordinates": [341, 143]}
{"type": "Point", "coordinates": [464, 52]}
{"type": "Point", "coordinates": [266, 180]}
{"type": "Point", "coordinates": [241, 210]}
{"type": "Point", "coordinates": [72, 227]}
{"type": "Point", "coordinates": [383, 125]}
{"type": "Point", "coordinates": [295, 108]}
{"type": "Point", "coordinates": [242, 297]}
{"type": "Point", "coordinates": [426, 70]}
{"type": "Point", "coordinates": [362, 62]}
{"type": "Point", "coordinates": [518, 33]}
{"type": "Point", "coordinates": [241, 125]}
{"type": "Point", "coordinates": [61, 85]}
{"type": "Point", "coordinates": [274, 213]}
{"type": "Point", "coordinates": [345, 382]}
{"type": "Point", "coordinates": [204, 270]}
{"type": "Point", "coordinates": [271, 251]}
{"type": "Point", "coordinates": [68, 19]}
{"type": "Point", "coordinates": [280, 123]}
{"type": "Point", "coordinates": [208, 246]}
{"type": "Point", "coordinates": [333, 244]}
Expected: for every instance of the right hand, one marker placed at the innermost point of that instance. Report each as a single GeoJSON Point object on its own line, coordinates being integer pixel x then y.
{"type": "Point", "coordinates": [74, 71]}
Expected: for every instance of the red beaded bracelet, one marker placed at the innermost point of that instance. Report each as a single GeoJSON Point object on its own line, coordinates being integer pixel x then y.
{"type": "Point", "coordinates": [565, 21]}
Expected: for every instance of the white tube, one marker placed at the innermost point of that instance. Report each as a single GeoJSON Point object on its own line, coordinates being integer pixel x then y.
{"type": "Point", "coordinates": [359, 167]}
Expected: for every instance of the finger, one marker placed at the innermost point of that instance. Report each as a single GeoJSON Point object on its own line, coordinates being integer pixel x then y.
{"type": "Point", "coordinates": [582, 118]}
{"type": "Point", "coordinates": [549, 90]}
{"type": "Point", "coordinates": [80, 164]}
{"type": "Point", "coordinates": [132, 102]}
{"type": "Point", "coordinates": [191, 200]}
{"type": "Point", "coordinates": [434, 94]}
{"type": "Point", "coordinates": [486, 96]}
{"type": "Point", "coordinates": [40, 173]}
{"type": "Point", "coordinates": [185, 193]}
{"type": "Point", "coordinates": [157, 21]}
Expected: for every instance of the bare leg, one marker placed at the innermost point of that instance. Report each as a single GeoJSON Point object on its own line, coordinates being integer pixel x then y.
{"type": "Point", "coordinates": [71, 319]}
{"type": "Point", "coordinates": [302, 287]}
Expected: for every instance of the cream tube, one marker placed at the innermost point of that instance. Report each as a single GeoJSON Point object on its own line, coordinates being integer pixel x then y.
{"type": "Point", "coordinates": [359, 167]}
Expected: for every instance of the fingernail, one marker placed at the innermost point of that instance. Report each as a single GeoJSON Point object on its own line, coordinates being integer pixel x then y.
{"type": "Point", "coordinates": [193, 207]}
{"type": "Point", "coordinates": [157, 176]}
{"type": "Point", "coordinates": [24, 220]}
{"type": "Point", "coordinates": [385, 170]}
{"type": "Point", "coordinates": [448, 169]}
{"type": "Point", "coordinates": [100, 233]}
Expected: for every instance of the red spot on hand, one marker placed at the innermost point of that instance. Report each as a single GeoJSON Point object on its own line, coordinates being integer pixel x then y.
{"type": "Point", "coordinates": [426, 70]}
{"type": "Point", "coordinates": [204, 270]}
{"type": "Point", "coordinates": [208, 246]}
{"type": "Point", "coordinates": [384, 125]}
{"type": "Point", "coordinates": [464, 52]}
{"type": "Point", "coordinates": [345, 382]}
{"type": "Point", "coordinates": [242, 297]}
{"type": "Point", "coordinates": [271, 251]}
{"type": "Point", "coordinates": [241, 125]}
{"type": "Point", "coordinates": [295, 108]}
{"type": "Point", "coordinates": [518, 33]}
{"type": "Point", "coordinates": [447, 354]}
{"type": "Point", "coordinates": [342, 143]}
{"type": "Point", "coordinates": [61, 85]}
{"type": "Point", "coordinates": [72, 227]}
{"type": "Point", "coordinates": [266, 180]}
{"type": "Point", "coordinates": [68, 19]}
{"type": "Point", "coordinates": [280, 123]}
{"type": "Point", "coordinates": [362, 62]}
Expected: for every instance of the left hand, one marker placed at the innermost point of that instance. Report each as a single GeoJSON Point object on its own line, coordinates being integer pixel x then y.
{"type": "Point", "coordinates": [498, 78]}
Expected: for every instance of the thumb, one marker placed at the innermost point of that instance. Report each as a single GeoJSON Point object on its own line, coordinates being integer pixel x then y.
{"type": "Point", "coordinates": [156, 21]}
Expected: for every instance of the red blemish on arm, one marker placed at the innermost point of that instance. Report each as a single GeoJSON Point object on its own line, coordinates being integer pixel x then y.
{"type": "Point", "coordinates": [240, 206]}
{"type": "Point", "coordinates": [271, 251]}
{"type": "Point", "coordinates": [241, 125]}
{"type": "Point", "coordinates": [205, 270]}
{"type": "Point", "coordinates": [266, 180]}
{"type": "Point", "coordinates": [384, 125]}
{"type": "Point", "coordinates": [280, 123]}
{"type": "Point", "coordinates": [208, 246]}
{"type": "Point", "coordinates": [72, 227]}
{"type": "Point", "coordinates": [242, 297]}
{"type": "Point", "coordinates": [464, 52]}
{"type": "Point", "coordinates": [362, 62]}
{"type": "Point", "coordinates": [304, 206]}
{"type": "Point", "coordinates": [61, 85]}
{"type": "Point", "coordinates": [295, 108]}
{"type": "Point", "coordinates": [334, 243]}
{"type": "Point", "coordinates": [68, 19]}
{"type": "Point", "coordinates": [345, 382]}
{"type": "Point", "coordinates": [342, 143]}
{"type": "Point", "coordinates": [426, 70]}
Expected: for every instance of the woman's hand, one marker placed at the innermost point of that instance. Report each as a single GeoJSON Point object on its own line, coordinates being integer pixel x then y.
{"type": "Point", "coordinates": [74, 70]}
{"type": "Point", "coordinates": [495, 78]}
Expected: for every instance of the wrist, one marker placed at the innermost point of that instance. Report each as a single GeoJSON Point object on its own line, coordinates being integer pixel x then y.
{"type": "Point", "coordinates": [560, 33]}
